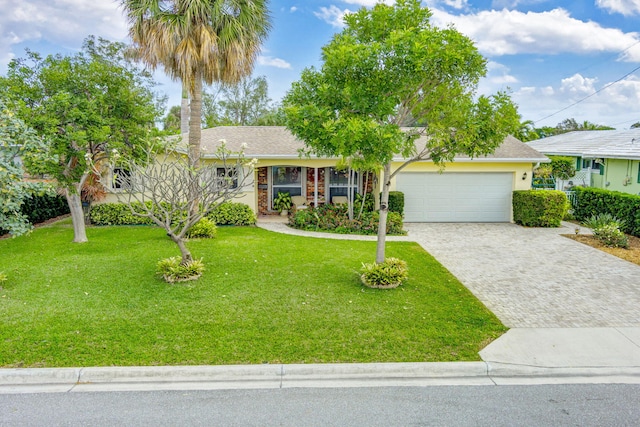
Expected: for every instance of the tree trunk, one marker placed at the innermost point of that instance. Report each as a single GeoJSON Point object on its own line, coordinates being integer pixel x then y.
{"type": "Point", "coordinates": [384, 210]}
{"type": "Point", "coordinates": [184, 252]}
{"type": "Point", "coordinates": [184, 110]}
{"type": "Point", "coordinates": [195, 138]}
{"type": "Point", "coordinates": [77, 216]}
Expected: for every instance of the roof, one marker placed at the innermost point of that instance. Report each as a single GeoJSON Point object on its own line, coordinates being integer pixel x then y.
{"type": "Point", "coordinates": [606, 144]}
{"type": "Point", "coordinates": [277, 142]}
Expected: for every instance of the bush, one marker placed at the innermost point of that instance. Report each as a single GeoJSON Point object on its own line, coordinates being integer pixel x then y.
{"type": "Point", "coordinates": [388, 274]}
{"type": "Point", "coordinates": [204, 229]}
{"type": "Point", "coordinates": [603, 219]}
{"type": "Point", "coordinates": [396, 202]}
{"type": "Point", "coordinates": [624, 206]}
{"type": "Point", "coordinates": [610, 235]}
{"type": "Point", "coordinates": [369, 203]}
{"type": "Point", "coordinates": [230, 213]}
{"type": "Point", "coordinates": [41, 208]}
{"type": "Point", "coordinates": [172, 271]}
{"type": "Point", "coordinates": [539, 208]}
{"type": "Point", "coordinates": [117, 214]}
{"type": "Point", "coordinates": [334, 218]}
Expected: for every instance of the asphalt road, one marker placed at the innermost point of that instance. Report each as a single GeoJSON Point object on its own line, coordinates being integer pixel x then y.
{"type": "Point", "coordinates": [543, 405]}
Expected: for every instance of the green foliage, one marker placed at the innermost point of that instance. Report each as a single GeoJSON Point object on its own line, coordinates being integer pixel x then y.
{"type": "Point", "coordinates": [369, 202]}
{"type": "Point", "coordinates": [39, 208]}
{"type": "Point", "coordinates": [172, 271]}
{"type": "Point", "coordinates": [203, 229]}
{"type": "Point", "coordinates": [562, 167]}
{"type": "Point", "coordinates": [388, 274]}
{"type": "Point", "coordinates": [396, 202]}
{"type": "Point", "coordinates": [335, 219]}
{"type": "Point", "coordinates": [3, 277]}
{"type": "Point", "coordinates": [118, 214]}
{"type": "Point", "coordinates": [20, 148]}
{"type": "Point", "coordinates": [539, 208]}
{"type": "Point", "coordinates": [610, 235]}
{"type": "Point", "coordinates": [282, 201]}
{"type": "Point", "coordinates": [602, 219]}
{"type": "Point", "coordinates": [231, 213]}
{"type": "Point", "coordinates": [595, 201]}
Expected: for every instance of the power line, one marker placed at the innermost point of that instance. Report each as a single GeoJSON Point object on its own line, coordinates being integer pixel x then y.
{"type": "Point", "coordinates": [589, 96]}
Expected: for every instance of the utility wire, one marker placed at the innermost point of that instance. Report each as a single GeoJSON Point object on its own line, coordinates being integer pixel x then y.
{"type": "Point", "coordinates": [589, 96]}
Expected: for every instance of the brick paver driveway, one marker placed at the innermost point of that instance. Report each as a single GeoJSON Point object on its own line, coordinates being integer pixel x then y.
{"type": "Point", "coordinates": [535, 278]}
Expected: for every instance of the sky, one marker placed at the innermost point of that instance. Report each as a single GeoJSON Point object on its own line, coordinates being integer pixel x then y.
{"type": "Point", "coordinates": [558, 59]}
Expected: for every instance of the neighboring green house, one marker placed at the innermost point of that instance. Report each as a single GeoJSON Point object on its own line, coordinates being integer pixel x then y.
{"type": "Point", "coordinates": [608, 159]}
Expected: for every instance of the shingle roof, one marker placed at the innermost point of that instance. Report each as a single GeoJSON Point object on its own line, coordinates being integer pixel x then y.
{"type": "Point", "coordinates": [279, 142]}
{"type": "Point", "coordinates": [607, 144]}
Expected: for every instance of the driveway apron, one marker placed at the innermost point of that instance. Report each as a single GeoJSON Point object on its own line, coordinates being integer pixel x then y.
{"type": "Point", "coordinates": [535, 277]}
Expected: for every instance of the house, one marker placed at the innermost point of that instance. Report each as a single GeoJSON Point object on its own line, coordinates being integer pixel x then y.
{"type": "Point", "coordinates": [468, 190]}
{"type": "Point", "coordinates": [608, 159]}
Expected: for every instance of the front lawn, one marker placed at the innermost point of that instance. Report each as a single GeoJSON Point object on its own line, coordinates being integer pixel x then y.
{"type": "Point", "coordinates": [264, 298]}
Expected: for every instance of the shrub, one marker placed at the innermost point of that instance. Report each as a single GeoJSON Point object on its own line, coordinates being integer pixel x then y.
{"type": "Point", "coordinates": [539, 208]}
{"type": "Point", "coordinates": [230, 213]}
{"type": "Point", "coordinates": [334, 218]}
{"type": "Point", "coordinates": [205, 229]}
{"type": "Point", "coordinates": [594, 201]}
{"type": "Point", "coordinates": [610, 235]}
{"type": "Point", "coordinates": [603, 219]}
{"type": "Point", "coordinates": [388, 274]}
{"type": "Point", "coordinates": [41, 208]}
{"type": "Point", "coordinates": [117, 214]}
{"type": "Point", "coordinates": [396, 202]}
{"type": "Point", "coordinates": [369, 203]}
{"type": "Point", "coordinates": [172, 271]}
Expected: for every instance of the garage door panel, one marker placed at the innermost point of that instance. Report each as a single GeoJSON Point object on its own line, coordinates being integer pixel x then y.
{"type": "Point", "coordinates": [456, 197]}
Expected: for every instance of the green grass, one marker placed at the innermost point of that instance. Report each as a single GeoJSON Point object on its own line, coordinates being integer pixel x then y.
{"type": "Point", "coordinates": [265, 297]}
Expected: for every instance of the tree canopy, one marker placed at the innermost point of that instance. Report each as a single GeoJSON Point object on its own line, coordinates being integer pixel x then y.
{"type": "Point", "coordinates": [388, 69]}
{"type": "Point", "coordinates": [83, 107]}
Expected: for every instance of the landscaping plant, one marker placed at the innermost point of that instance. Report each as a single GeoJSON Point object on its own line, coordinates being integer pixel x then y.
{"type": "Point", "coordinates": [173, 270]}
{"type": "Point", "coordinates": [385, 275]}
{"type": "Point", "coordinates": [606, 228]}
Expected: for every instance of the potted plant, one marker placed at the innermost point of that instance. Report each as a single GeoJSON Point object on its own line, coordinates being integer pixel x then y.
{"type": "Point", "coordinates": [282, 203]}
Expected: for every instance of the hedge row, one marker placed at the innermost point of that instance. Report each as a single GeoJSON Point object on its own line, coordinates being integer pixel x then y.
{"type": "Point", "coordinates": [539, 208]}
{"type": "Point", "coordinates": [41, 208]}
{"type": "Point", "coordinates": [334, 218]}
{"type": "Point", "coordinates": [594, 201]}
{"type": "Point", "coordinates": [228, 213]}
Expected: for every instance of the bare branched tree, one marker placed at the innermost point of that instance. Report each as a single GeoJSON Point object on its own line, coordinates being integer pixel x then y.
{"type": "Point", "coordinates": [175, 195]}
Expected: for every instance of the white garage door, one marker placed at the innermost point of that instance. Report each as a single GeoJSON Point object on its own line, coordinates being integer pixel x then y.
{"type": "Point", "coordinates": [456, 197]}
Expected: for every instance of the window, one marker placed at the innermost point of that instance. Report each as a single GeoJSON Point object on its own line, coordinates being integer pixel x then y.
{"type": "Point", "coordinates": [578, 163]}
{"type": "Point", "coordinates": [339, 183]}
{"type": "Point", "coordinates": [286, 179]}
{"type": "Point", "coordinates": [122, 179]}
{"type": "Point", "coordinates": [228, 176]}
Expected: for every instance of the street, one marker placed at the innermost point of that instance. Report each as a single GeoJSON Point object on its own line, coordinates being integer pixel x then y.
{"type": "Point", "coordinates": [542, 405]}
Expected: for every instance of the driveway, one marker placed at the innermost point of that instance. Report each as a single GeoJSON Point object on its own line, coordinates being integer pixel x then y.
{"type": "Point", "coordinates": [534, 277]}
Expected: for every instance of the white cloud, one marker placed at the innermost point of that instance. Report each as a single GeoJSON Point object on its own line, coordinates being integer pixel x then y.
{"type": "Point", "coordinates": [64, 22]}
{"type": "Point", "coordinates": [499, 75]}
{"type": "Point", "coordinates": [508, 32]}
{"type": "Point", "coordinates": [332, 15]}
{"type": "Point", "coordinates": [456, 4]}
{"type": "Point", "coordinates": [368, 3]}
{"type": "Point", "coordinates": [578, 85]}
{"type": "Point", "coordinates": [625, 7]}
{"type": "Point", "coordinates": [293, 9]}
{"type": "Point", "coordinates": [273, 62]}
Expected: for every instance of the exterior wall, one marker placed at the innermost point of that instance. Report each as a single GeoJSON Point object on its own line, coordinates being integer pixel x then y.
{"type": "Point", "coordinates": [518, 169]}
{"type": "Point", "coordinates": [621, 175]}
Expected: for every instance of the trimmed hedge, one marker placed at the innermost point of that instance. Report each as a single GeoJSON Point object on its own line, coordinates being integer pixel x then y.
{"type": "Point", "coordinates": [595, 201]}
{"type": "Point", "coordinates": [539, 208]}
{"type": "Point", "coordinates": [231, 213]}
{"type": "Point", "coordinates": [227, 213]}
{"type": "Point", "coordinates": [334, 218]}
{"type": "Point", "coordinates": [396, 202]}
{"type": "Point", "coordinates": [41, 208]}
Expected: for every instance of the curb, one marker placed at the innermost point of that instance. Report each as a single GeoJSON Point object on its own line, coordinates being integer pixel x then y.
{"type": "Point", "coordinates": [142, 378]}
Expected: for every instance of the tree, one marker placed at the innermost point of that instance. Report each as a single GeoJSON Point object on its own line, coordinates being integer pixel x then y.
{"type": "Point", "coordinates": [171, 122]}
{"type": "Point", "coordinates": [20, 148]}
{"type": "Point", "coordinates": [196, 41]}
{"type": "Point", "coordinates": [527, 131]}
{"type": "Point", "coordinates": [391, 67]}
{"type": "Point", "coordinates": [635, 125]}
{"type": "Point", "coordinates": [161, 188]}
{"type": "Point", "coordinates": [83, 106]}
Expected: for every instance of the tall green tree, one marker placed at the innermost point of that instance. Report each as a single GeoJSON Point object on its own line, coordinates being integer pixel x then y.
{"type": "Point", "coordinates": [390, 67]}
{"type": "Point", "coordinates": [20, 149]}
{"type": "Point", "coordinates": [198, 41]}
{"type": "Point", "coordinates": [171, 122]}
{"type": "Point", "coordinates": [83, 106]}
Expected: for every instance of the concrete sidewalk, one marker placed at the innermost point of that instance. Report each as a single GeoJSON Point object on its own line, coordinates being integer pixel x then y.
{"type": "Point", "coordinates": [566, 327]}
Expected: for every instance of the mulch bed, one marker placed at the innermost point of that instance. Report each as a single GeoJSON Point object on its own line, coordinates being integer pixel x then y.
{"type": "Point", "coordinates": [632, 254]}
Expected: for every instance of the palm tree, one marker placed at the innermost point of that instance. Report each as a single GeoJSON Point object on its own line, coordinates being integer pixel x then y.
{"type": "Point", "coordinates": [196, 41]}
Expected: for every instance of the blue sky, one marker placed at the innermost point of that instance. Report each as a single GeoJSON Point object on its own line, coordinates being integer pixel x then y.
{"type": "Point", "coordinates": [549, 53]}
